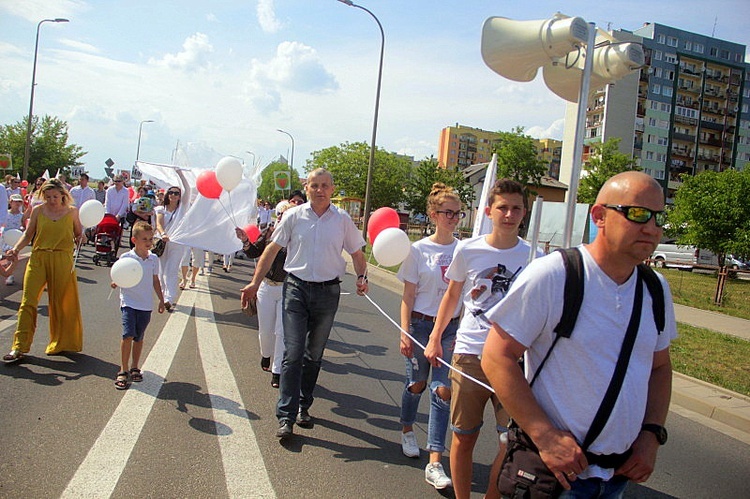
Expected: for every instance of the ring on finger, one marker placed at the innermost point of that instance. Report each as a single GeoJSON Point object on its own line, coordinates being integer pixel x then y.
{"type": "Point", "coordinates": [570, 474]}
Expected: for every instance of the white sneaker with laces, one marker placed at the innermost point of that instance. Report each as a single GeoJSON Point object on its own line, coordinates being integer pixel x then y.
{"type": "Point", "coordinates": [435, 476]}
{"type": "Point", "coordinates": [409, 444]}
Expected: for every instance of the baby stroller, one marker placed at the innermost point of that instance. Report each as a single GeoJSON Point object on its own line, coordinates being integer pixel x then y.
{"type": "Point", "coordinates": [107, 240]}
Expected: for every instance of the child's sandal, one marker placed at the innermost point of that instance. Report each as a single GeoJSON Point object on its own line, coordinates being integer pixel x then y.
{"type": "Point", "coordinates": [135, 375]}
{"type": "Point", "coordinates": [121, 382]}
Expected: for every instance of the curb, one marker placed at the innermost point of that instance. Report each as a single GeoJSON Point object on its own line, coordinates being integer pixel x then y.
{"type": "Point", "coordinates": [719, 404]}
{"type": "Point", "coordinates": [711, 401]}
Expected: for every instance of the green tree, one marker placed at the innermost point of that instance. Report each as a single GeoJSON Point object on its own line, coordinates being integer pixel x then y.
{"type": "Point", "coordinates": [427, 173]}
{"type": "Point", "coordinates": [348, 164]}
{"type": "Point", "coordinates": [517, 160]}
{"type": "Point", "coordinates": [711, 211]}
{"type": "Point", "coordinates": [267, 188]}
{"type": "Point", "coordinates": [49, 146]}
{"type": "Point", "coordinates": [605, 161]}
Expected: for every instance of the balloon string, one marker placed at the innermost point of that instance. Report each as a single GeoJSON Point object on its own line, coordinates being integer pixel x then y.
{"type": "Point", "coordinates": [110, 293]}
{"type": "Point", "coordinates": [78, 252]}
{"type": "Point", "coordinates": [229, 193]}
{"type": "Point", "coordinates": [225, 211]}
{"type": "Point", "coordinates": [483, 385]}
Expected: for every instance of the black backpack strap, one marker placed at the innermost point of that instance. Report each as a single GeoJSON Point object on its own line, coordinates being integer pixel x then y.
{"type": "Point", "coordinates": [656, 290]}
{"type": "Point", "coordinates": [573, 293]}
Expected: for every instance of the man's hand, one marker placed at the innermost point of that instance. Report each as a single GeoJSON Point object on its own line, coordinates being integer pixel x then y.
{"type": "Point", "coordinates": [562, 455]}
{"type": "Point", "coordinates": [406, 346]}
{"type": "Point", "coordinates": [433, 351]}
{"type": "Point", "coordinates": [249, 292]}
{"type": "Point", "coordinates": [362, 286]}
{"type": "Point", "coordinates": [640, 464]}
{"type": "Point", "coordinates": [241, 235]}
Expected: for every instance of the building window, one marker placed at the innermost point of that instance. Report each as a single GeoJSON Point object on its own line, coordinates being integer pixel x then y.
{"type": "Point", "coordinates": [746, 93]}
{"type": "Point", "coordinates": [699, 48]}
{"type": "Point", "coordinates": [672, 41]}
{"type": "Point", "coordinates": [724, 54]}
{"type": "Point", "coordinates": [657, 72]}
{"type": "Point", "coordinates": [666, 107]}
{"type": "Point", "coordinates": [660, 39]}
{"type": "Point", "coordinates": [688, 45]}
{"type": "Point", "coordinates": [659, 175]}
{"type": "Point", "coordinates": [661, 157]}
{"type": "Point", "coordinates": [667, 91]}
{"type": "Point", "coordinates": [713, 51]}
{"type": "Point", "coordinates": [669, 75]}
{"type": "Point", "coordinates": [656, 89]}
{"type": "Point", "coordinates": [657, 55]}
{"type": "Point", "coordinates": [651, 122]}
{"type": "Point", "coordinates": [650, 155]}
{"type": "Point", "coordinates": [662, 141]}
{"type": "Point", "coordinates": [738, 57]}
{"type": "Point", "coordinates": [671, 58]}
{"type": "Point", "coordinates": [744, 108]}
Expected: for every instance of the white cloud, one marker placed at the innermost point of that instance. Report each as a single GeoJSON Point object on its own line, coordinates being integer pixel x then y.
{"type": "Point", "coordinates": [554, 131]}
{"type": "Point", "coordinates": [210, 17]}
{"type": "Point", "coordinates": [77, 45]}
{"type": "Point", "coordinates": [267, 17]}
{"type": "Point", "coordinates": [193, 57]}
{"type": "Point", "coordinates": [36, 10]}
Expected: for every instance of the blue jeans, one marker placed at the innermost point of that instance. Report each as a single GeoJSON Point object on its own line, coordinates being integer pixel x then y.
{"type": "Point", "coordinates": [309, 310]}
{"type": "Point", "coordinates": [596, 488]}
{"type": "Point", "coordinates": [418, 369]}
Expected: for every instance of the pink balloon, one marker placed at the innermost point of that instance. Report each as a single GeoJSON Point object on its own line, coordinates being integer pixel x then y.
{"type": "Point", "coordinates": [253, 232]}
{"type": "Point", "coordinates": [382, 218]}
{"type": "Point", "coordinates": [207, 184]}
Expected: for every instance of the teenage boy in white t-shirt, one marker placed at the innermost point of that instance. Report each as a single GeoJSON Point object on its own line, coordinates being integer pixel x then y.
{"type": "Point", "coordinates": [481, 272]}
{"type": "Point", "coordinates": [136, 304]}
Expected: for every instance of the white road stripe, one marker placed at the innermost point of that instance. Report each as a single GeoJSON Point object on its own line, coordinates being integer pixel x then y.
{"type": "Point", "coordinates": [245, 471]}
{"type": "Point", "coordinates": [100, 471]}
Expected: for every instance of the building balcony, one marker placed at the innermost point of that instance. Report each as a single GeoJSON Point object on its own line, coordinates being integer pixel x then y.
{"type": "Point", "coordinates": [712, 125]}
{"type": "Point", "coordinates": [683, 153]}
{"type": "Point", "coordinates": [685, 120]}
{"type": "Point", "coordinates": [683, 137]}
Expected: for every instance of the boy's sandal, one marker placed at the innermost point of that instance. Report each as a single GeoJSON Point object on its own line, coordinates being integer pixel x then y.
{"type": "Point", "coordinates": [121, 382]}
{"type": "Point", "coordinates": [12, 356]}
{"type": "Point", "coordinates": [192, 285]}
{"type": "Point", "coordinates": [135, 375]}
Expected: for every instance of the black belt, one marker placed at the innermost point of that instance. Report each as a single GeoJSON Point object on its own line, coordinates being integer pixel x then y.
{"type": "Point", "coordinates": [312, 283]}
{"type": "Point", "coordinates": [429, 318]}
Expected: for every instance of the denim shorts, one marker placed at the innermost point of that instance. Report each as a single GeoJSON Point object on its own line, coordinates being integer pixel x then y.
{"type": "Point", "coordinates": [134, 323]}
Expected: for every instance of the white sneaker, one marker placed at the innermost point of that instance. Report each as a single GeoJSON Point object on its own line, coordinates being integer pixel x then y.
{"type": "Point", "coordinates": [409, 444]}
{"type": "Point", "coordinates": [435, 476]}
{"type": "Point", "coordinates": [10, 280]}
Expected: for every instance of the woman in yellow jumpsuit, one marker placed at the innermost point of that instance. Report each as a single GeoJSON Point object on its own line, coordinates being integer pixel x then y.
{"type": "Point", "coordinates": [54, 227]}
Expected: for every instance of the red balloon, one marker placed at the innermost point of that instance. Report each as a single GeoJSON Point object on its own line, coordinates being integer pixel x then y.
{"type": "Point", "coordinates": [24, 183]}
{"type": "Point", "coordinates": [382, 218]}
{"type": "Point", "coordinates": [207, 184]}
{"type": "Point", "coordinates": [253, 232]}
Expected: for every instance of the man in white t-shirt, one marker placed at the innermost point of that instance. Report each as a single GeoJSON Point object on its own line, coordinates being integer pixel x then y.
{"type": "Point", "coordinates": [558, 412]}
{"type": "Point", "coordinates": [481, 272]}
{"type": "Point", "coordinates": [117, 199]}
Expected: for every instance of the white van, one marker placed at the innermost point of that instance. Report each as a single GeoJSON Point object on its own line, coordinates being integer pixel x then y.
{"type": "Point", "coordinates": [673, 255]}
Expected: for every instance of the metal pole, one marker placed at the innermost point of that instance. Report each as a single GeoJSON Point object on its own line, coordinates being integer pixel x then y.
{"type": "Point", "coordinates": [140, 130]}
{"type": "Point", "coordinates": [27, 148]}
{"type": "Point", "coordinates": [575, 174]}
{"type": "Point", "coordinates": [371, 164]}
{"type": "Point", "coordinates": [291, 159]}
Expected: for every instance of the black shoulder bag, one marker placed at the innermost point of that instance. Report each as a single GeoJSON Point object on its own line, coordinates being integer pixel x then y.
{"type": "Point", "coordinates": [524, 475]}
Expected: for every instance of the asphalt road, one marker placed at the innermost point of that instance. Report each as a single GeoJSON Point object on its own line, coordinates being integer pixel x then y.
{"type": "Point", "coordinates": [202, 423]}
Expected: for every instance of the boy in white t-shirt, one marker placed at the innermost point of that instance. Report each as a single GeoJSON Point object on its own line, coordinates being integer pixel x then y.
{"type": "Point", "coordinates": [136, 304]}
{"type": "Point", "coordinates": [14, 221]}
{"type": "Point", "coordinates": [481, 272]}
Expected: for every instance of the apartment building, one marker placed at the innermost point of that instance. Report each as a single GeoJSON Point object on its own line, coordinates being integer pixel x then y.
{"type": "Point", "coordinates": [690, 106]}
{"type": "Point", "coordinates": [461, 146]}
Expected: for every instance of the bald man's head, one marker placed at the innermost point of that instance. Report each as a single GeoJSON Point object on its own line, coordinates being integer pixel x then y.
{"type": "Point", "coordinates": [615, 188]}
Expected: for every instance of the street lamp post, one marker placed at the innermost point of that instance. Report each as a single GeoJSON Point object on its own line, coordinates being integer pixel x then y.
{"type": "Point", "coordinates": [368, 186]}
{"type": "Point", "coordinates": [291, 158]}
{"type": "Point", "coordinates": [253, 155]}
{"type": "Point", "coordinates": [27, 148]}
{"type": "Point", "coordinates": [140, 130]}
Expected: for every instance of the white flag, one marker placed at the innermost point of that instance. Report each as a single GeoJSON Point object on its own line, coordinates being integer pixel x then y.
{"type": "Point", "coordinates": [482, 223]}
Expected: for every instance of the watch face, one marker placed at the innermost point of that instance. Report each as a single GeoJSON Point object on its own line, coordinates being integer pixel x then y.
{"type": "Point", "coordinates": [659, 431]}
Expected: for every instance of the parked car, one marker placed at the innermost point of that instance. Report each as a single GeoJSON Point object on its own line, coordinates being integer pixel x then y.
{"type": "Point", "coordinates": [673, 255]}
{"type": "Point", "coordinates": [735, 263]}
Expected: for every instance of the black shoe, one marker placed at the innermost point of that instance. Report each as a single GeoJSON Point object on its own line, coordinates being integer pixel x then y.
{"type": "Point", "coordinates": [265, 363]}
{"type": "Point", "coordinates": [275, 378]}
{"type": "Point", "coordinates": [285, 429]}
{"type": "Point", "coordinates": [304, 420]}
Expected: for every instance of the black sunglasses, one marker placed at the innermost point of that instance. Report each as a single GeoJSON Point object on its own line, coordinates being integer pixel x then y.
{"type": "Point", "coordinates": [178, 193]}
{"type": "Point", "coordinates": [639, 214]}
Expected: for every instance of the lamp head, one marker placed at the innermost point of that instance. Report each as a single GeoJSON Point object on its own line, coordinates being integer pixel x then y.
{"type": "Point", "coordinates": [61, 20]}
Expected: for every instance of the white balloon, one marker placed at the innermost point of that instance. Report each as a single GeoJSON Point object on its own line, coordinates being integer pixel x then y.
{"type": "Point", "coordinates": [391, 247]}
{"type": "Point", "coordinates": [229, 172]}
{"type": "Point", "coordinates": [12, 236]}
{"type": "Point", "coordinates": [91, 213]}
{"type": "Point", "coordinates": [126, 272]}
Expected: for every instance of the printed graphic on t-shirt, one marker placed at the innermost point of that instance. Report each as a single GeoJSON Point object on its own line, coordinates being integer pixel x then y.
{"type": "Point", "coordinates": [443, 261]}
{"type": "Point", "coordinates": [488, 288]}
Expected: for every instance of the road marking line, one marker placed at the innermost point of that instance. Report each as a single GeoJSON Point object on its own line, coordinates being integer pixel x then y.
{"type": "Point", "coordinates": [244, 469]}
{"type": "Point", "coordinates": [98, 474]}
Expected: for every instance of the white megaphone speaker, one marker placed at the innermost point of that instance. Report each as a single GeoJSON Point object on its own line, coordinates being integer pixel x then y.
{"type": "Point", "coordinates": [517, 49]}
{"type": "Point", "coordinates": [612, 62]}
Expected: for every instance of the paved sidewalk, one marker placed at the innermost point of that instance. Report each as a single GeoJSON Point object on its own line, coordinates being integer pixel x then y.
{"type": "Point", "coordinates": [718, 404]}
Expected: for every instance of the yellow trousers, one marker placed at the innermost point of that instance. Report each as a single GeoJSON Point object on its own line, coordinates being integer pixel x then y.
{"type": "Point", "coordinates": [53, 269]}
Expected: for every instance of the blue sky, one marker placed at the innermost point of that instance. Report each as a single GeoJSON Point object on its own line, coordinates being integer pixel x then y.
{"type": "Point", "coordinates": [221, 77]}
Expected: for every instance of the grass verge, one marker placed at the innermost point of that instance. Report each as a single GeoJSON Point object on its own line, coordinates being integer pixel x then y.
{"type": "Point", "coordinates": [713, 357]}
